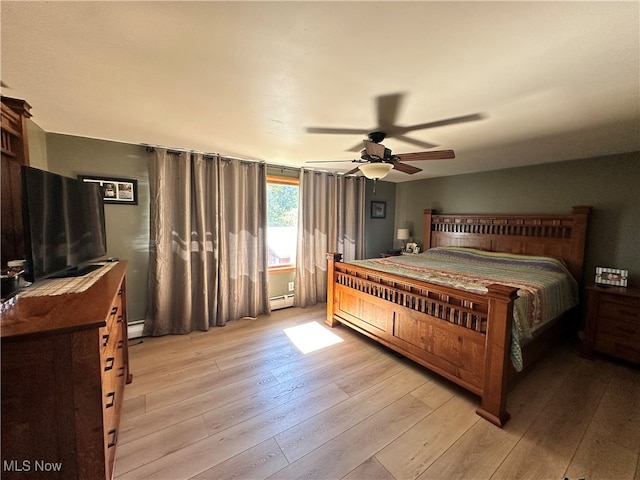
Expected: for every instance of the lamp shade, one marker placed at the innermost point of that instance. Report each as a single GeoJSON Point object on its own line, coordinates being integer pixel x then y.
{"type": "Point", "coordinates": [403, 234]}
{"type": "Point", "coordinates": [375, 170]}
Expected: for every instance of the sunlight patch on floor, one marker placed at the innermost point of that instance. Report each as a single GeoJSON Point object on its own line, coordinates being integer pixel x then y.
{"type": "Point", "coordinates": [311, 336]}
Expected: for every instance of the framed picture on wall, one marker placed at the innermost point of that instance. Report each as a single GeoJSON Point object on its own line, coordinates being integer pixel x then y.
{"type": "Point", "coordinates": [122, 191]}
{"type": "Point", "coordinates": [378, 209]}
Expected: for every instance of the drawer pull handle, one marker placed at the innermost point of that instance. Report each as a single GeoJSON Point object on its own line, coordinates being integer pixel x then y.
{"type": "Point", "coordinates": [109, 363]}
{"type": "Point", "coordinates": [120, 343]}
{"type": "Point", "coordinates": [120, 318]}
{"type": "Point", "coordinates": [105, 340]}
{"type": "Point", "coordinates": [121, 371]}
{"type": "Point", "coordinates": [112, 399]}
{"type": "Point", "coordinates": [120, 292]}
{"type": "Point", "coordinates": [114, 310]}
{"type": "Point", "coordinates": [114, 438]}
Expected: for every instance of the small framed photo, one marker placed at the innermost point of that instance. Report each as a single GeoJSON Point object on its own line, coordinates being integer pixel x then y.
{"type": "Point", "coordinates": [412, 248]}
{"type": "Point", "coordinates": [123, 191]}
{"type": "Point", "coordinates": [378, 209]}
{"type": "Point", "coordinates": [611, 276]}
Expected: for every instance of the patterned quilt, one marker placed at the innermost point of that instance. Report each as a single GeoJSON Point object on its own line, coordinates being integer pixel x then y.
{"type": "Point", "coordinates": [546, 288]}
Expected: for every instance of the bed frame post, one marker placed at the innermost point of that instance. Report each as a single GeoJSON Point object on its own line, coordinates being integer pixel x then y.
{"type": "Point", "coordinates": [581, 216]}
{"type": "Point", "coordinates": [428, 213]}
{"type": "Point", "coordinates": [331, 259]}
{"type": "Point", "coordinates": [496, 361]}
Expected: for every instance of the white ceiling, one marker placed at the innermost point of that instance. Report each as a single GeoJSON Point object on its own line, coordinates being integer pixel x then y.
{"type": "Point", "coordinates": [554, 80]}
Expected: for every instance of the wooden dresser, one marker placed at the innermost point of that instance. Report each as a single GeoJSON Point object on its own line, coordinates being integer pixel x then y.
{"type": "Point", "coordinates": [64, 367]}
{"type": "Point", "coordinates": [612, 325]}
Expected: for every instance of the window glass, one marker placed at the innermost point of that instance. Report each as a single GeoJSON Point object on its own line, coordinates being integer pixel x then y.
{"type": "Point", "coordinates": [282, 221]}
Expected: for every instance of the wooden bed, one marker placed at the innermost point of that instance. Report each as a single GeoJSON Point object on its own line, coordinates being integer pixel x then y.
{"type": "Point", "coordinates": [414, 317]}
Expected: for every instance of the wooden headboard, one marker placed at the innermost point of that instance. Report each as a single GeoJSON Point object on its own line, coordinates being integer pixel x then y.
{"type": "Point", "coordinates": [559, 236]}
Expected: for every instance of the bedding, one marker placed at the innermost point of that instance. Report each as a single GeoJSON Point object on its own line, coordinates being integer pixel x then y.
{"type": "Point", "coordinates": [546, 288]}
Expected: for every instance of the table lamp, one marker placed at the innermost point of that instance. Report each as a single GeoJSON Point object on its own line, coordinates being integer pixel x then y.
{"type": "Point", "coordinates": [403, 235]}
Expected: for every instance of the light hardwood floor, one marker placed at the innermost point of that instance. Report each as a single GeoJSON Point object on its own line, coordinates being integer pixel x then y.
{"type": "Point", "coordinates": [242, 402]}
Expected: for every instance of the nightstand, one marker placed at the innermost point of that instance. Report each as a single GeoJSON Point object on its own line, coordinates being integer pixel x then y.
{"type": "Point", "coordinates": [612, 323]}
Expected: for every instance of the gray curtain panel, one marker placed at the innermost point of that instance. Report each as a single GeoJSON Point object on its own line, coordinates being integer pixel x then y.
{"type": "Point", "coordinates": [243, 270]}
{"type": "Point", "coordinates": [330, 219]}
{"type": "Point", "coordinates": [207, 260]}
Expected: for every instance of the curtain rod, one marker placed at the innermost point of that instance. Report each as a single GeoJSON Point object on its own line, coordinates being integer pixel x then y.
{"type": "Point", "coordinates": [150, 148]}
{"type": "Point", "coordinates": [283, 167]}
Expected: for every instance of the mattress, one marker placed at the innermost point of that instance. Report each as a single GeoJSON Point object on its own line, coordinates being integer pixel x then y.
{"type": "Point", "coordinates": [546, 288]}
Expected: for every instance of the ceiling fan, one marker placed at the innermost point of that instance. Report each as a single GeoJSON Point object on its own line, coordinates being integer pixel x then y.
{"type": "Point", "coordinates": [376, 160]}
{"type": "Point", "coordinates": [387, 108]}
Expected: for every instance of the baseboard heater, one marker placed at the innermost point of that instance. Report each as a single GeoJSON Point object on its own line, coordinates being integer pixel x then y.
{"type": "Point", "coordinates": [283, 301]}
{"type": "Point", "coordinates": [134, 329]}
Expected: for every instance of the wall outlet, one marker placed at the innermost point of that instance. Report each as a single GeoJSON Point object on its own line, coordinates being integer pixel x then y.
{"type": "Point", "coordinates": [291, 286]}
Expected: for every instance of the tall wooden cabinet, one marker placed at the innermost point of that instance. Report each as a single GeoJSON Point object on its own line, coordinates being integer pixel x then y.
{"type": "Point", "coordinates": [64, 368]}
{"type": "Point", "coordinates": [15, 153]}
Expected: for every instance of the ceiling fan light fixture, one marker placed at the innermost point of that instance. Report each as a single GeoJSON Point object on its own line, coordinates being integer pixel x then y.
{"type": "Point", "coordinates": [376, 171]}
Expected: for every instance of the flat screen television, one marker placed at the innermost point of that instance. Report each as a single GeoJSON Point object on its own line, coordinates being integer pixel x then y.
{"type": "Point", "coordinates": [63, 223]}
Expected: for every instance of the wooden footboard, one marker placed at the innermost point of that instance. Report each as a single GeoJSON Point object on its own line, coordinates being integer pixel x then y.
{"type": "Point", "coordinates": [462, 336]}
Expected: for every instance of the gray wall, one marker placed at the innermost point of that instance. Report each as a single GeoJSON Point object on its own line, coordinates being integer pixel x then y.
{"type": "Point", "coordinates": [127, 225]}
{"type": "Point", "coordinates": [380, 236]}
{"type": "Point", "coordinates": [611, 185]}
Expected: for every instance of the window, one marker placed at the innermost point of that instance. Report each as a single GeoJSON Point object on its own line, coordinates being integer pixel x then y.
{"type": "Point", "coordinates": [282, 221]}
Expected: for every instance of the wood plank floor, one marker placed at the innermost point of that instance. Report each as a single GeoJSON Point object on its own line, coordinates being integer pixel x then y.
{"type": "Point", "coordinates": [243, 402]}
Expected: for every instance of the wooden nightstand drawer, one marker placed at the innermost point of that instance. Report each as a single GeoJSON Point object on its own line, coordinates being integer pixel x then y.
{"type": "Point", "coordinates": [619, 347]}
{"type": "Point", "coordinates": [620, 327]}
{"type": "Point", "coordinates": [619, 310]}
{"type": "Point", "coordinates": [620, 299]}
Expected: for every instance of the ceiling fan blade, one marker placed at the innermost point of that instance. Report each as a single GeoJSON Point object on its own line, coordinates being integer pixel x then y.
{"type": "Point", "coordinates": [403, 167]}
{"type": "Point", "coordinates": [338, 131]}
{"type": "Point", "coordinates": [387, 107]}
{"type": "Point", "coordinates": [352, 171]}
{"type": "Point", "coordinates": [441, 123]}
{"type": "Point", "coordinates": [374, 149]}
{"type": "Point", "coordinates": [414, 141]}
{"type": "Point", "coordinates": [433, 155]}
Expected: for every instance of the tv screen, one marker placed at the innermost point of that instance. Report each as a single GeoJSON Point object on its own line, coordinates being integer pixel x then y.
{"type": "Point", "coordinates": [63, 222]}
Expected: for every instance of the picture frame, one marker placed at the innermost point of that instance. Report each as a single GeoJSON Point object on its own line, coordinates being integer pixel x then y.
{"type": "Point", "coordinates": [611, 276]}
{"type": "Point", "coordinates": [122, 191]}
{"type": "Point", "coordinates": [412, 248]}
{"type": "Point", "coordinates": [378, 209]}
